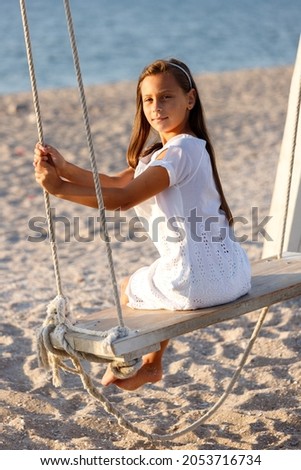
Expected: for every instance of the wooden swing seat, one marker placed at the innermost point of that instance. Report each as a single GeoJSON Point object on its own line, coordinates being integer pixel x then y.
{"type": "Point", "coordinates": [273, 280]}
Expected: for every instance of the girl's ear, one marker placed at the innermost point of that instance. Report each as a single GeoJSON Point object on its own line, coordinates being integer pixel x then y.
{"type": "Point", "coordinates": [191, 98]}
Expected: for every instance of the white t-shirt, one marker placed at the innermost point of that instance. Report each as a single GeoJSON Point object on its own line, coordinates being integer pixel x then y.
{"type": "Point", "coordinates": [200, 264]}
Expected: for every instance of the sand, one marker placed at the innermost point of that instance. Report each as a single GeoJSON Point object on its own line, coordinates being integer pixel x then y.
{"type": "Point", "coordinates": [246, 113]}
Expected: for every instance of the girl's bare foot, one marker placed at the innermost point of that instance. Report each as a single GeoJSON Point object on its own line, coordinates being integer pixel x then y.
{"type": "Point", "coordinates": [108, 377]}
{"type": "Point", "coordinates": [150, 372]}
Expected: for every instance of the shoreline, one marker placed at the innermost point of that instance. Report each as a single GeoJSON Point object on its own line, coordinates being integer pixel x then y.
{"type": "Point", "coordinates": [246, 112]}
{"type": "Point", "coordinates": [197, 75]}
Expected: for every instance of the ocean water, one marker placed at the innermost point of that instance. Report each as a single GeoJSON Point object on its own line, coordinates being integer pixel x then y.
{"type": "Point", "coordinates": [117, 38]}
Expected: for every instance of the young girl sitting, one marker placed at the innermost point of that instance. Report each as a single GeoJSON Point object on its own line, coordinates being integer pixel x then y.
{"type": "Point", "coordinates": [176, 191]}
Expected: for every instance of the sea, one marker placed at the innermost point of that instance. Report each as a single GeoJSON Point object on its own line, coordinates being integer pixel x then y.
{"type": "Point", "coordinates": [117, 38]}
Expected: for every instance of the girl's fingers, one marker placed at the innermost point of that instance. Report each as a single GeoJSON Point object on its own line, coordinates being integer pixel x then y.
{"type": "Point", "coordinates": [46, 153]}
{"type": "Point", "coordinates": [38, 160]}
{"type": "Point", "coordinates": [45, 149]}
{"type": "Point", "coordinates": [41, 154]}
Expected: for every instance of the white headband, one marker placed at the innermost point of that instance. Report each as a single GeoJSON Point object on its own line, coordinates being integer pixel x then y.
{"type": "Point", "coordinates": [184, 71]}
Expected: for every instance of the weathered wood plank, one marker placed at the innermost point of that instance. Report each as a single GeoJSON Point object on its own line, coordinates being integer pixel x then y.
{"type": "Point", "coordinates": [273, 280]}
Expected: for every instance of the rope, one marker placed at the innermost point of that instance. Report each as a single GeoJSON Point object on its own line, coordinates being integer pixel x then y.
{"type": "Point", "coordinates": [41, 139]}
{"type": "Point", "coordinates": [93, 159]}
{"type": "Point", "coordinates": [59, 307]}
{"type": "Point", "coordinates": [91, 149]}
{"type": "Point", "coordinates": [58, 324]}
{"type": "Point", "coordinates": [291, 168]}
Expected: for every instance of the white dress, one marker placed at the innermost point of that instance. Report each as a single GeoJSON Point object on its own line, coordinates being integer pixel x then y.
{"type": "Point", "coordinates": [200, 264]}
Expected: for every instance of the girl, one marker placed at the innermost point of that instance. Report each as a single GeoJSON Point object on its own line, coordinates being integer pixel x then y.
{"type": "Point", "coordinates": [174, 186]}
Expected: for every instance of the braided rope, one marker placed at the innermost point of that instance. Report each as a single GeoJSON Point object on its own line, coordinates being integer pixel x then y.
{"type": "Point", "coordinates": [91, 149]}
{"type": "Point", "coordinates": [41, 139]}
{"type": "Point", "coordinates": [291, 168]}
{"type": "Point", "coordinates": [59, 305]}
{"type": "Point", "coordinates": [58, 323]}
{"type": "Point", "coordinates": [93, 159]}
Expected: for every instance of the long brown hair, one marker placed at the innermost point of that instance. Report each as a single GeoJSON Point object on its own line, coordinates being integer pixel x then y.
{"type": "Point", "coordinates": [141, 131]}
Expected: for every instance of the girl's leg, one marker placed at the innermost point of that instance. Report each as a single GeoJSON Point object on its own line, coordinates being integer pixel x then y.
{"type": "Point", "coordinates": [151, 370]}
{"type": "Point", "coordinates": [123, 297]}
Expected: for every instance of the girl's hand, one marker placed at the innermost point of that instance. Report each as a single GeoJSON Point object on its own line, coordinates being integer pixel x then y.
{"type": "Point", "coordinates": [50, 155]}
{"type": "Point", "coordinates": [46, 175]}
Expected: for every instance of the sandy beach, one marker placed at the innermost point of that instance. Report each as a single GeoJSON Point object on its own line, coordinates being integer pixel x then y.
{"type": "Point", "coordinates": [246, 114]}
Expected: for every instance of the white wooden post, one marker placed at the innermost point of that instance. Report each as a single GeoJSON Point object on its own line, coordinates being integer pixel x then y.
{"type": "Point", "coordinates": [291, 143]}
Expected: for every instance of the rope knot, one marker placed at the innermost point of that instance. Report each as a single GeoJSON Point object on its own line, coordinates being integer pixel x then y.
{"type": "Point", "coordinates": [124, 370]}
{"type": "Point", "coordinates": [57, 319]}
{"type": "Point", "coordinates": [120, 368]}
{"type": "Point", "coordinates": [58, 311]}
{"type": "Point", "coordinates": [58, 322]}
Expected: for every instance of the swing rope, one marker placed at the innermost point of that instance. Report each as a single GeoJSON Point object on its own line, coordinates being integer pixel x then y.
{"type": "Point", "coordinates": [58, 310]}
{"type": "Point", "coordinates": [291, 169]}
{"type": "Point", "coordinates": [93, 160]}
{"type": "Point", "coordinates": [37, 110]}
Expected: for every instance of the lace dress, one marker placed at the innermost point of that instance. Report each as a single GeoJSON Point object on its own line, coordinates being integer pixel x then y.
{"type": "Point", "coordinates": [199, 264]}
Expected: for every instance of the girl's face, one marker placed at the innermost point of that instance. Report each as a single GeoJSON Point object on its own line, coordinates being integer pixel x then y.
{"type": "Point", "coordinates": [166, 105]}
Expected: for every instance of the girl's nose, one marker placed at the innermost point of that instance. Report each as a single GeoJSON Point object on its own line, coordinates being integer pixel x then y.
{"type": "Point", "coordinates": [157, 106]}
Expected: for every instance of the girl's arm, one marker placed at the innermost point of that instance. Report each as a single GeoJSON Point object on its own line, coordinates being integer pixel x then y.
{"type": "Point", "coordinates": [75, 174]}
{"type": "Point", "coordinates": [151, 182]}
